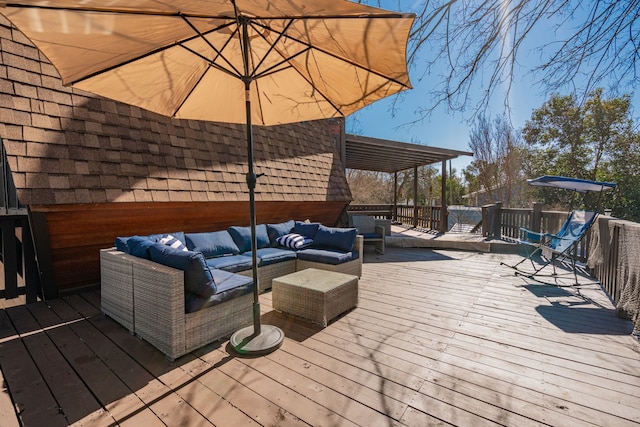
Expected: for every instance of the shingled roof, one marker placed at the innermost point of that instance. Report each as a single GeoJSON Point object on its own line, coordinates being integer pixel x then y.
{"type": "Point", "coordinates": [68, 146]}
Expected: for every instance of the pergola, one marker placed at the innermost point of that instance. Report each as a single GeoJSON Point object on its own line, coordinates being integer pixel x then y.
{"type": "Point", "coordinates": [380, 155]}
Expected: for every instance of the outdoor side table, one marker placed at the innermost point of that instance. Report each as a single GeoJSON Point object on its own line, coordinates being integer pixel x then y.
{"type": "Point", "coordinates": [315, 295]}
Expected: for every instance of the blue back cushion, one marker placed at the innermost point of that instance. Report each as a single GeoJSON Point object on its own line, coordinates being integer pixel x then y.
{"type": "Point", "coordinates": [197, 276]}
{"type": "Point", "coordinates": [308, 229]}
{"type": "Point", "coordinates": [242, 237]}
{"type": "Point", "coordinates": [341, 239]}
{"type": "Point", "coordinates": [139, 246]}
{"type": "Point", "coordinates": [278, 230]}
{"type": "Point", "coordinates": [121, 244]}
{"type": "Point", "coordinates": [216, 243]}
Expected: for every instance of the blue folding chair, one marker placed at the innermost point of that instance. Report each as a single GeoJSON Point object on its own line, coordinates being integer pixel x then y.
{"type": "Point", "coordinates": [554, 248]}
{"type": "Point", "coordinates": [563, 245]}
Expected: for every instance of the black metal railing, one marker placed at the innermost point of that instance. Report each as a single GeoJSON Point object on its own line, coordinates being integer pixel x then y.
{"type": "Point", "coordinates": [17, 258]}
{"type": "Point", "coordinates": [19, 270]}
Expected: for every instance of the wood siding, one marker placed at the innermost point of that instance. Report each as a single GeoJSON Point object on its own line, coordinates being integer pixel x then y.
{"type": "Point", "coordinates": [76, 233]}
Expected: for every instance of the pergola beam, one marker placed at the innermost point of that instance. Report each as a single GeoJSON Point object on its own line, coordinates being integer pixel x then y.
{"type": "Point", "coordinates": [380, 155]}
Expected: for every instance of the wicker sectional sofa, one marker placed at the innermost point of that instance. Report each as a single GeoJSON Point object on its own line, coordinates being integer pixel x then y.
{"type": "Point", "coordinates": [156, 300]}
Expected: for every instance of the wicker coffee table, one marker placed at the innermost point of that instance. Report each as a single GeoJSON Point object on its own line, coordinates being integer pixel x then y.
{"type": "Point", "coordinates": [315, 295]}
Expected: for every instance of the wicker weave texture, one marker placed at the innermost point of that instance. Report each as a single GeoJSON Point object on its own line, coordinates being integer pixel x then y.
{"type": "Point", "coordinates": [351, 267]}
{"type": "Point", "coordinates": [116, 291]}
{"type": "Point", "coordinates": [315, 295]}
{"type": "Point", "coordinates": [159, 307]}
{"type": "Point", "coordinates": [217, 322]}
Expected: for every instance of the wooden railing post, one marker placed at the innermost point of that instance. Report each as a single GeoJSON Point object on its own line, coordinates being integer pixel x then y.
{"type": "Point", "coordinates": [494, 220]}
{"type": "Point", "coordinates": [394, 214]}
{"type": "Point", "coordinates": [535, 223]}
{"type": "Point", "coordinates": [415, 197]}
{"type": "Point", "coordinates": [485, 220]}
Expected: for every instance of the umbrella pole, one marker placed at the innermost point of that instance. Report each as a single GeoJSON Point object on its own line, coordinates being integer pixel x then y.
{"type": "Point", "coordinates": [256, 339]}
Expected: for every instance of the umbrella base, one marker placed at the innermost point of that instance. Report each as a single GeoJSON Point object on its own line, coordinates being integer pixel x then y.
{"type": "Point", "coordinates": [245, 342]}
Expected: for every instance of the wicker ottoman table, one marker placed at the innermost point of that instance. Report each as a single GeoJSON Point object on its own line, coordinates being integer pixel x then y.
{"type": "Point", "coordinates": [315, 295]}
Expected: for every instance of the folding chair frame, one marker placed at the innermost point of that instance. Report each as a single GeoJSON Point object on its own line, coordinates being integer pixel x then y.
{"type": "Point", "coordinates": [549, 242]}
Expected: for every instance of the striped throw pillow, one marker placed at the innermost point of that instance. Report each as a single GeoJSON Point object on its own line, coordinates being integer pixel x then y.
{"type": "Point", "coordinates": [171, 241]}
{"type": "Point", "coordinates": [294, 241]}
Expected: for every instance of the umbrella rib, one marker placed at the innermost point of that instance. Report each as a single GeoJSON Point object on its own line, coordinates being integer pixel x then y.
{"type": "Point", "coordinates": [272, 46]}
{"type": "Point", "coordinates": [274, 68]}
{"type": "Point", "coordinates": [218, 52]}
{"type": "Point", "coordinates": [190, 92]}
{"type": "Point", "coordinates": [252, 19]}
{"type": "Point", "coordinates": [128, 61]}
{"type": "Point", "coordinates": [160, 49]}
{"type": "Point", "coordinates": [324, 51]}
{"type": "Point", "coordinates": [388, 15]}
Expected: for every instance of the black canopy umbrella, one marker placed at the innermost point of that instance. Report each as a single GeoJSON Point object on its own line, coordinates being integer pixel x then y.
{"type": "Point", "coordinates": [259, 62]}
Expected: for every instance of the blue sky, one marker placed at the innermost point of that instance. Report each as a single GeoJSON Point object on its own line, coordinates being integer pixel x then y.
{"type": "Point", "coordinates": [451, 129]}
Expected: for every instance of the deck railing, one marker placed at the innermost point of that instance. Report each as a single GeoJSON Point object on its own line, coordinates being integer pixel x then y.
{"type": "Point", "coordinates": [614, 247]}
{"type": "Point", "coordinates": [428, 217]}
{"type": "Point", "coordinates": [379, 211]}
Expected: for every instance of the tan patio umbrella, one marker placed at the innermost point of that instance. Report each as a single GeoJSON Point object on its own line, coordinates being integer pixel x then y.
{"type": "Point", "coordinates": [262, 62]}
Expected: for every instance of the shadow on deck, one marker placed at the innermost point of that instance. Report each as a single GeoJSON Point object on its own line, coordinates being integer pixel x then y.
{"type": "Point", "coordinates": [438, 338]}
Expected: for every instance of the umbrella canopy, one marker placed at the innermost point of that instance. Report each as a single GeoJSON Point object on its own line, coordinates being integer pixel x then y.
{"type": "Point", "coordinates": [307, 60]}
{"type": "Point", "coordinates": [260, 62]}
{"type": "Point", "coordinates": [575, 184]}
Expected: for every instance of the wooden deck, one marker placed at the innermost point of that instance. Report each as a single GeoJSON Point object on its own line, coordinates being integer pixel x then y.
{"type": "Point", "coordinates": [439, 338]}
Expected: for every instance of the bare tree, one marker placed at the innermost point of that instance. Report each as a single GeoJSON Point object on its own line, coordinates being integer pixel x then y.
{"type": "Point", "coordinates": [497, 152]}
{"type": "Point", "coordinates": [368, 187]}
{"type": "Point", "coordinates": [480, 43]}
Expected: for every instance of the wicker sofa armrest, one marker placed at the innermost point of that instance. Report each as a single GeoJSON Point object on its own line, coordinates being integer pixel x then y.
{"type": "Point", "coordinates": [158, 296]}
{"type": "Point", "coordinates": [116, 288]}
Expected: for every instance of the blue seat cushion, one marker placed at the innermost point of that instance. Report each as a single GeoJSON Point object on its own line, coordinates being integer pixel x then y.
{"type": "Point", "coordinates": [139, 246]}
{"type": "Point", "coordinates": [269, 256]}
{"type": "Point", "coordinates": [232, 263]}
{"type": "Point", "coordinates": [327, 256]}
{"type": "Point", "coordinates": [341, 239]}
{"type": "Point", "coordinates": [278, 230]}
{"type": "Point", "coordinates": [242, 237]}
{"type": "Point", "coordinates": [308, 229]}
{"type": "Point", "coordinates": [197, 275]}
{"type": "Point", "coordinates": [230, 286]}
{"type": "Point", "coordinates": [212, 244]}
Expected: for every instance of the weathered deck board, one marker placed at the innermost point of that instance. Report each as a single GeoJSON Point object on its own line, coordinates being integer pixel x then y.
{"type": "Point", "coordinates": [438, 338]}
